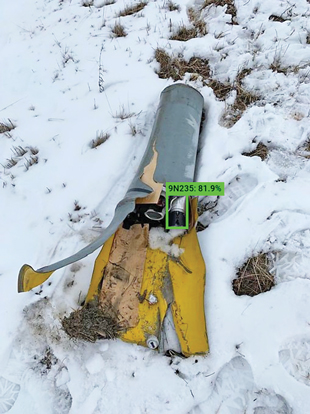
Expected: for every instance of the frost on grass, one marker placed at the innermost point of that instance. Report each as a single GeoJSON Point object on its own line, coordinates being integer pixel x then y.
{"type": "Point", "coordinates": [159, 239]}
{"type": "Point", "coordinates": [254, 277]}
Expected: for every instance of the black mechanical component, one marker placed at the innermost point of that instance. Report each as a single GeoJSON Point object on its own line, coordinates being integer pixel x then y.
{"type": "Point", "coordinates": [153, 214]}
{"type": "Point", "coordinates": [177, 211]}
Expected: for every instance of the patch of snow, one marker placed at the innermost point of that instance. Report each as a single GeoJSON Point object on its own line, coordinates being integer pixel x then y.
{"type": "Point", "coordinates": [163, 240]}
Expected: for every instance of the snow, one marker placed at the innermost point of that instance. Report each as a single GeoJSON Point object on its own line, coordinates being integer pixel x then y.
{"type": "Point", "coordinates": [52, 53]}
{"type": "Point", "coordinates": [159, 239]}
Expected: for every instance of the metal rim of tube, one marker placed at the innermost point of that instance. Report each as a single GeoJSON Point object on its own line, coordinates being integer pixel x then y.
{"type": "Point", "coordinates": [154, 215]}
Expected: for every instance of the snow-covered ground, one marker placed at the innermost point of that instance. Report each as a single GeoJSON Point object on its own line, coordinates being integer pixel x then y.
{"type": "Point", "coordinates": [52, 55]}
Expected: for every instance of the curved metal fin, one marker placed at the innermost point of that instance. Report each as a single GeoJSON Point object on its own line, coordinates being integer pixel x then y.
{"type": "Point", "coordinates": [29, 278]}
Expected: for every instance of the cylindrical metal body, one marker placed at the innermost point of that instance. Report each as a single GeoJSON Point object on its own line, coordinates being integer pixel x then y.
{"type": "Point", "coordinates": [174, 136]}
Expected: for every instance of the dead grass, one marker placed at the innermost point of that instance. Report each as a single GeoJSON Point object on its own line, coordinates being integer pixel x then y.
{"type": "Point", "coordinates": [123, 114]}
{"type": "Point", "coordinates": [118, 30]}
{"type": "Point", "coordinates": [242, 73]}
{"type": "Point", "coordinates": [277, 66]}
{"type": "Point", "coordinates": [253, 277]}
{"type": "Point", "coordinates": [234, 112]}
{"type": "Point", "coordinates": [18, 154]}
{"type": "Point", "coordinates": [307, 145]}
{"type": "Point", "coordinates": [231, 8]}
{"type": "Point", "coordinates": [198, 28]}
{"type": "Point", "coordinates": [275, 18]}
{"type": "Point", "coordinates": [101, 138]}
{"type": "Point", "coordinates": [221, 90]}
{"type": "Point", "coordinates": [6, 126]}
{"type": "Point", "coordinates": [308, 38]}
{"type": "Point", "coordinates": [19, 151]}
{"type": "Point", "coordinates": [184, 33]}
{"type": "Point", "coordinates": [33, 150]}
{"type": "Point", "coordinates": [11, 162]}
{"type": "Point", "coordinates": [260, 151]}
{"type": "Point", "coordinates": [304, 150]}
{"type": "Point", "coordinates": [243, 100]}
{"type": "Point", "coordinates": [176, 67]}
{"type": "Point", "coordinates": [132, 9]}
{"type": "Point", "coordinates": [197, 21]}
{"type": "Point", "coordinates": [90, 323]}
{"type": "Point", "coordinates": [87, 3]}
{"type": "Point", "coordinates": [31, 161]}
{"type": "Point", "coordinates": [172, 6]}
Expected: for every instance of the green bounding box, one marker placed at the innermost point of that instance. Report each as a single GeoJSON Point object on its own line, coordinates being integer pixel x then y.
{"type": "Point", "coordinates": [177, 212]}
{"type": "Point", "coordinates": [194, 189]}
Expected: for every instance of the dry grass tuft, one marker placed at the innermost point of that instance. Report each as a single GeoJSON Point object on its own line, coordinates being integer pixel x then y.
{"type": "Point", "coordinates": [197, 21]}
{"type": "Point", "coordinates": [254, 277]}
{"type": "Point", "coordinates": [304, 150]}
{"type": "Point", "coordinates": [183, 33]}
{"type": "Point", "coordinates": [19, 151]}
{"type": "Point", "coordinates": [173, 6]}
{"type": "Point", "coordinates": [308, 38]}
{"type": "Point", "coordinates": [11, 162]}
{"type": "Point", "coordinates": [33, 150]}
{"type": "Point", "coordinates": [243, 100]}
{"type": "Point", "coordinates": [6, 126]}
{"type": "Point", "coordinates": [275, 18]}
{"type": "Point", "coordinates": [307, 145]}
{"type": "Point", "coordinates": [87, 3]}
{"type": "Point", "coordinates": [101, 138]}
{"type": "Point", "coordinates": [123, 114]}
{"type": "Point", "coordinates": [276, 66]}
{"type": "Point", "coordinates": [31, 161]}
{"type": "Point", "coordinates": [234, 112]}
{"type": "Point", "coordinates": [198, 29]}
{"type": "Point", "coordinates": [231, 8]}
{"type": "Point", "coordinates": [260, 151]}
{"type": "Point", "coordinates": [242, 74]}
{"type": "Point", "coordinates": [221, 90]}
{"type": "Point", "coordinates": [132, 9]}
{"type": "Point", "coordinates": [176, 67]}
{"type": "Point", "coordinates": [91, 323]}
{"type": "Point", "coordinates": [118, 30]}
